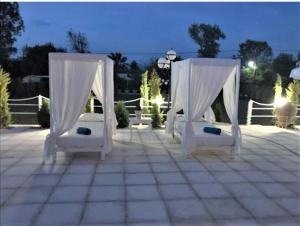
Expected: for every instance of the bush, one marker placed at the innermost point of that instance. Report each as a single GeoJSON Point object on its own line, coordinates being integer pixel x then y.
{"type": "Point", "coordinates": [218, 110]}
{"type": "Point", "coordinates": [44, 115]}
{"type": "Point", "coordinates": [5, 116]}
{"type": "Point", "coordinates": [122, 115]}
{"type": "Point", "coordinates": [156, 116]}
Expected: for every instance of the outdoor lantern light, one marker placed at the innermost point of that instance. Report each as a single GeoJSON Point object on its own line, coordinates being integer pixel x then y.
{"type": "Point", "coordinates": [163, 63]}
{"type": "Point", "coordinates": [171, 55]}
{"type": "Point", "coordinates": [252, 64]}
{"type": "Point", "coordinates": [295, 73]}
{"type": "Point", "coordinates": [280, 102]}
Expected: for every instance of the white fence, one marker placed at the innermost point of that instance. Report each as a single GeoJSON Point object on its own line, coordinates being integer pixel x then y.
{"type": "Point", "coordinates": [16, 103]}
{"type": "Point", "coordinates": [262, 107]}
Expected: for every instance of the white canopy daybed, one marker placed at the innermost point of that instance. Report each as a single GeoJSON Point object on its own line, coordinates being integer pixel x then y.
{"type": "Point", "coordinates": [195, 84]}
{"type": "Point", "coordinates": [72, 76]}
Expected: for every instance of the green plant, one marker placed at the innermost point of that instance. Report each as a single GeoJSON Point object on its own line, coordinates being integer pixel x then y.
{"type": "Point", "coordinates": [218, 110]}
{"type": "Point", "coordinates": [156, 99]}
{"type": "Point", "coordinates": [293, 92]}
{"type": "Point", "coordinates": [278, 88]}
{"type": "Point", "coordinates": [5, 116]}
{"type": "Point", "coordinates": [122, 115]}
{"type": "Point", "coordinates": [144, 89]}
{"type": "Point", "coordinates": [43, 115]}
{"type": "Point", "coordinates": [156, 116]}
{"type": "Point", "coordinates": [88, 104]}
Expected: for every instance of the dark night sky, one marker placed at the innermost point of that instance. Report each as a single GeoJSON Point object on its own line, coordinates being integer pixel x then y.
{"type": "Point", "coordinates": [152, 28]}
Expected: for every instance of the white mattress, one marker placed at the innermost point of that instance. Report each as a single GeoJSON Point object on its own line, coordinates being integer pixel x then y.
{"type": "Point", "coordinates": [71, 139]}
{"type": "Point", "coordinates": [206, 139]}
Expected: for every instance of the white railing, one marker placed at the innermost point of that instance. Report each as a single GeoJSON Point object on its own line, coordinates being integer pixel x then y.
{"type": "Point", "coordinates": [262, 106]}
{"type": "Point", "coordinates": [16, 102]}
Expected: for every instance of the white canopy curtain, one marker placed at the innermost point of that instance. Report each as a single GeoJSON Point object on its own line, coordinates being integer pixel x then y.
{"type": "Point", "coordinates": [72, 77]}
{"type": "Point", "coordinates": [200, 82]}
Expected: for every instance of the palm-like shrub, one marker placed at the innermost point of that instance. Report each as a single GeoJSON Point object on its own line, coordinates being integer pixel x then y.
{"type": "Point", "coordinates": [156, 99]}
{"type": "Point", "coordinates": [122, 115]}
{"type": "Point", "coordinates": [5, 116]}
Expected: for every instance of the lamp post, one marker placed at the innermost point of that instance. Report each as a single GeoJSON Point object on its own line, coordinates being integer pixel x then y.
{"type": "Point", "coordinates": [165, 63]}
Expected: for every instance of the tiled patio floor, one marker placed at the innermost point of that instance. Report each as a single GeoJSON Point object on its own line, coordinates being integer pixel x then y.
{"type": "Point", "coordinates": [148, 182]}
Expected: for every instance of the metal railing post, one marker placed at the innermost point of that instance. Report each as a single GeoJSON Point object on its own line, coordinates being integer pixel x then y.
{"type": "Point", "coordinates": [92, 104]}
{"type": "Point", "coordinates": [249, 112]}
{"type": "Point", "coordinates": [40, 101]}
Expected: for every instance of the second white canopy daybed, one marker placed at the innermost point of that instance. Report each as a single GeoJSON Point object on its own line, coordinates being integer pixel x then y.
{"type": "Point", "coordinates": [72, 77]}
{"type": "Point", "coordinates": [195, 84]}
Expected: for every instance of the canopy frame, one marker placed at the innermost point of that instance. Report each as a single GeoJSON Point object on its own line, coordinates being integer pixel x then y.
{"type": "Point", "coordinates": [189, 72]}
{"type": "Point", "coordinates": [70, 73]}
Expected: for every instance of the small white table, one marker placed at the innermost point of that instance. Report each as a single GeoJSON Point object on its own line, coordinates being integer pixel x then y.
{"type": "Point", "coordinates": [135, 120]}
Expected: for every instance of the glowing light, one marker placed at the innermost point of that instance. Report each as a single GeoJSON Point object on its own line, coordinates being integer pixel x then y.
{"type": "Point", "coordinates": [252, 64]}
{"type": "Point", "coordinates": [280, 102]}
{"type": "Point", "coordinates": [158, 100]}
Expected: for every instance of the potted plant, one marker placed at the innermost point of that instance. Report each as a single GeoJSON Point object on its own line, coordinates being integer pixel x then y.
{"type": "Point", "coordinates": [285, 109]}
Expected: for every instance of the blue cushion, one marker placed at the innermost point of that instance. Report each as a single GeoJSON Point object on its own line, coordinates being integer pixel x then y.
{"type": "Point", "coordinates": [84, 131]}
{"type": "Point", "coordinates": [212, 130]}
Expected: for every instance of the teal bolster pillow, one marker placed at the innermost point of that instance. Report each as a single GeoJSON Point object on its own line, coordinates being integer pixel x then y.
{"type": "Point", "coordinates": [84, 131]}
{"type": "Point", "coordinates": [212, 130]}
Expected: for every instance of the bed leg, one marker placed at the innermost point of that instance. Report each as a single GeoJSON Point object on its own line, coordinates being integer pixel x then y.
{"type": "Point", "coordinates": [102, 155]}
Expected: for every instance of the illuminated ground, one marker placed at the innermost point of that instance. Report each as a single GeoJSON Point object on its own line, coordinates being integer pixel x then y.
{"type": "Point", "coordinates": [148, 182]}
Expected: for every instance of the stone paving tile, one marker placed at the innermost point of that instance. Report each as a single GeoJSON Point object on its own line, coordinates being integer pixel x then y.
{"type": "Point", "coordinates": [176, 191]}
{"type": "Point", "coordinates": [106, 193]}
{"type": "Point", "coordinates": [200, 177]}
{"type": "Point", "coordinates": [274, 190]}
{"type": "Point", "coordinates": [60, 214]}
{"type": "Point", "coordinates": [225, 208]}
{"type": "Point", "coordinates": [142, 192]}
{"type": "Point", "coordinates": [75, 179]}
{"type": "Point", "coordinates": [140, 178]}
{"type": "Point", "coordinates": [108, 179]}
{"type": "Point", "coordinates": [30, 195]}
{"type": "Point", "coordinates": [290, 204]}
{"type": "Point", "coordinates": [211, 190]}
{"type": "Point", "coordinates": [170, 178]}
{"type": "Point", "coordinates": [143, 211]}
{"type": "Point", "coordinates": [104, 213]}
{"type": "Point", "coordinates": [69, 194]}
{"type": "Point", "coordinates": [263, 207]}
{"type": "Point", "coordinates": [187, 210]}
{"type": "Point", "coordinates": [243, 190]}
{"type": "Point", "coordinates": [19, 215]}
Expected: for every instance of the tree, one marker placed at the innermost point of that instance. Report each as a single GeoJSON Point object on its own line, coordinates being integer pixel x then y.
{"type": "Point", "coordinates": [120, 62]}
{"type": "Point", "coordinates": [207, 37]}
{"type": "Point", "coordinates": [258, 51]}
{"type": "Point", "coordinates": [283, 64]}
{"type": "Point", "coordinates": [11, 26]}
{"type": "Point", "coordinates": [135, 73]}
{"type": "Point", "coordinates": [78, 41]}
{"type": "Point", "coordinates": [5, 116]}
{"type": "Point", "coordinates": [35, 58]}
